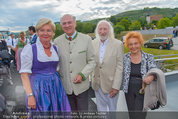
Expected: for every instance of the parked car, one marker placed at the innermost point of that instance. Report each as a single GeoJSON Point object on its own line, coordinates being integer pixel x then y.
{"type": "Point", "coordinates": [159, 42]}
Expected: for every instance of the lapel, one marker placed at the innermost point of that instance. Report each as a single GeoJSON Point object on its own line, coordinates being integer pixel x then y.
{"type": "Point", "coordinates": [97, 46]}
{"type": "Point", "coordinates": [35, 36]}
{"type": "Point", "coordinates": [108, 50]}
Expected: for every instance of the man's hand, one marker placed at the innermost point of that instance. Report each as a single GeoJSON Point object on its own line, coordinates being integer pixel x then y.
{"type": "Point", "coordinates": [113, 92]}
{"type": "Point", "coordinates": [78, 79]}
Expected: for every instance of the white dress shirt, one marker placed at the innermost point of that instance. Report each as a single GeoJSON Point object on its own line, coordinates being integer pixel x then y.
{"type": "Point", "coordinates": [9, 42]}
{"type": "Point", "coordinates": [102, 49]}
{"type": "Point", "coordinates": [27, 56]}
{"type": "Point", "coordinates": [72, 35]}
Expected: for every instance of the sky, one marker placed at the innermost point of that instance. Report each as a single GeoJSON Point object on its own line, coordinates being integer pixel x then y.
{"type": "Point", "coordinates": [17, 15]}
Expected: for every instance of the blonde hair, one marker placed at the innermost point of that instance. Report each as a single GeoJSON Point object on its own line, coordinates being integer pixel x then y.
{"type": "Point", "coordinates": [111, 30]}
{"type": "Point", "coordinates": [23, 33]}
{"type": "Point", "coordinates": [44, 21]}
{"type": "Point", "coordinates": [133, 34]}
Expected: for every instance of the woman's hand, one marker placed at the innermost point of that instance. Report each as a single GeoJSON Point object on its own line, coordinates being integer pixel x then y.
{"type": "Point", "coordinates": [21, 40]}
{"type": "Point", "coordinates": [148, 79]}
{"type": "Point", "coordinates": [31, 102]}
{"type": "Point", "coordinates": [28, 89]}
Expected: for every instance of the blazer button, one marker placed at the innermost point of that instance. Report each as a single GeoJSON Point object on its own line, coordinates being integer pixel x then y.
{"type": "Point", "coordinates": [70, 62]}
{"type": "Point", "coordinates": [100, 67]}
{"type": "Point", "coordinates": [70, 71]}
{"type": "Point", "coordinates": [70, 52]}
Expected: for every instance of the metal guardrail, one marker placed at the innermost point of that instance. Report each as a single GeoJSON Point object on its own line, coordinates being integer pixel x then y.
{"type": "Point", "coordinates": [166, 59]}
{"type": "Point", "coordinates": [160, 60]}
{"type": "Point", "coordinates": [159, 56]}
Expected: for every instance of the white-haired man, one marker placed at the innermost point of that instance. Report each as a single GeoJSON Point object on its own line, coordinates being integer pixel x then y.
{"type": "Point", "coordinates": [77, 61]}
{"type": "Point", "coordinates": [107, 76]}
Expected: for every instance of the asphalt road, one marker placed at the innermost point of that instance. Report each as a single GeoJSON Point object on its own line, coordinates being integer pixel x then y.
{"type": "Point", "coordinates": [175, 46]}
{"type": "Point", "coordinates": [15, 94]}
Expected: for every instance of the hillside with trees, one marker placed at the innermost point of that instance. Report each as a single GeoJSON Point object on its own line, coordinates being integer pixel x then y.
{"type": "Point", "coordinates": [131, 20]}
{"type": "Point", "coordinates": [141, 14]}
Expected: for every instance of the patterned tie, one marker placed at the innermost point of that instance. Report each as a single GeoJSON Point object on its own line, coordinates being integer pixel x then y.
{"type": "Point", "coordinates": [70, 38]}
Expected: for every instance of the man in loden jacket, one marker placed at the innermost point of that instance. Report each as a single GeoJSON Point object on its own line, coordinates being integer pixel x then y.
{"type": "Point", "coordinates": [77, 61]}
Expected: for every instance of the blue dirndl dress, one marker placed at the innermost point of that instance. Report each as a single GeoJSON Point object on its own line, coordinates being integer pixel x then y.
{"type": "Point", "coordinates": [47, 87]}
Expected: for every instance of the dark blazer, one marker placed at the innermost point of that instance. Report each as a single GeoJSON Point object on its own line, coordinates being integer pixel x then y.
{"type": "Point", "coordinates": [33, 40]}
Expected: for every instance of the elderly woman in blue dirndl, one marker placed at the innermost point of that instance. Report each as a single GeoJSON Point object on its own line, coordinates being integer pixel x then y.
{"type": "Point", "coordinates": [42, 83]}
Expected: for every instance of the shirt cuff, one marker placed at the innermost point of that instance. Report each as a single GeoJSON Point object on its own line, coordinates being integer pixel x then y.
{"type": "Point", "coordinates": [82, 75]}
{"type": "Point", "coordinates": [25, 71]}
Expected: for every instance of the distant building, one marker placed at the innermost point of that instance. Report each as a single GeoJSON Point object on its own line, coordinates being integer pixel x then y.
{"type": "Point", "coordinates": [4, 34]}
{"type": "Point", "coordinates": [149, 18]}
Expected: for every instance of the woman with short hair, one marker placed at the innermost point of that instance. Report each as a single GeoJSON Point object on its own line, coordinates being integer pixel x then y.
{"type": "Point", "coordinates": [42, 83]}
{"type": "Point", "coordinates": [136, 64]}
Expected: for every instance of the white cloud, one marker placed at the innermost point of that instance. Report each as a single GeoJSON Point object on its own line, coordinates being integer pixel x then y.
{"type": "Point", "coordinates": [3, 28]}
{"type": "Point", "coordinates": [1, 21]}
{"type": "Point", "coordinates": [32, 3]}
{"type": "Point", "coordinates": [19, 14]}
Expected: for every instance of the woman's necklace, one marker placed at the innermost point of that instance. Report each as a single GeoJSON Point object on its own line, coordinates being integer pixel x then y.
{"type": "Point", "coordinates": [47, 47]}
{"type": "Point", "coordinates": [136, 58]}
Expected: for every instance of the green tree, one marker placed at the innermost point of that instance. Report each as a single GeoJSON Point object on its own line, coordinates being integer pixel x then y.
{"type": "Point", "coordinates": [113, 19]}
{"type": "Point", "coordinates": [175, 20]}
{"type": "Point", "coordinates": [124, 22]}
{"type": "Point", "coordinates": [154, 22]}
{"type": "Point", "coordinates": [94, 27]}
{"type": "Point", "coordinates": [118, 28]}
{"type": "Point", "coordinates": [79, 26]}
{"type": "Point", "coordinates": [58, 31]}
{"type": "Point", "coordinates": [135, 25]}
{"type": "Point", "coordinates": [164, 22]}
{"type": "Point", "coordinates": [87, 27]}
{"type": "Point", "coordinates": [143, 22]}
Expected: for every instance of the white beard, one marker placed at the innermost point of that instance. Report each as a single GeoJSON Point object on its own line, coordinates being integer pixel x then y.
{"type": "Point", "coordinates": [103, 38]}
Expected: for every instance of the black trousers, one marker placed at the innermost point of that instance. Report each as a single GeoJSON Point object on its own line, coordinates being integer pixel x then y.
{"type": "Point", "coordinates": [79, 102]}
{"type": "Point", "coordinates": [135, 100]}
{"type": "Point", "coordinates": [13, 55]}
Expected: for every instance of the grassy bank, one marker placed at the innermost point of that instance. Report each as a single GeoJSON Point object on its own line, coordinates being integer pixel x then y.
{"type": "Point", "coordinates": [169, 64]}
{"type": "Point", "coordinates": [156, 51]}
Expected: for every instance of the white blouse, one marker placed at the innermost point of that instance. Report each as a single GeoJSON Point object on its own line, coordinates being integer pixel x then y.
{"type": "Point", "coordinates": [27, 56]}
